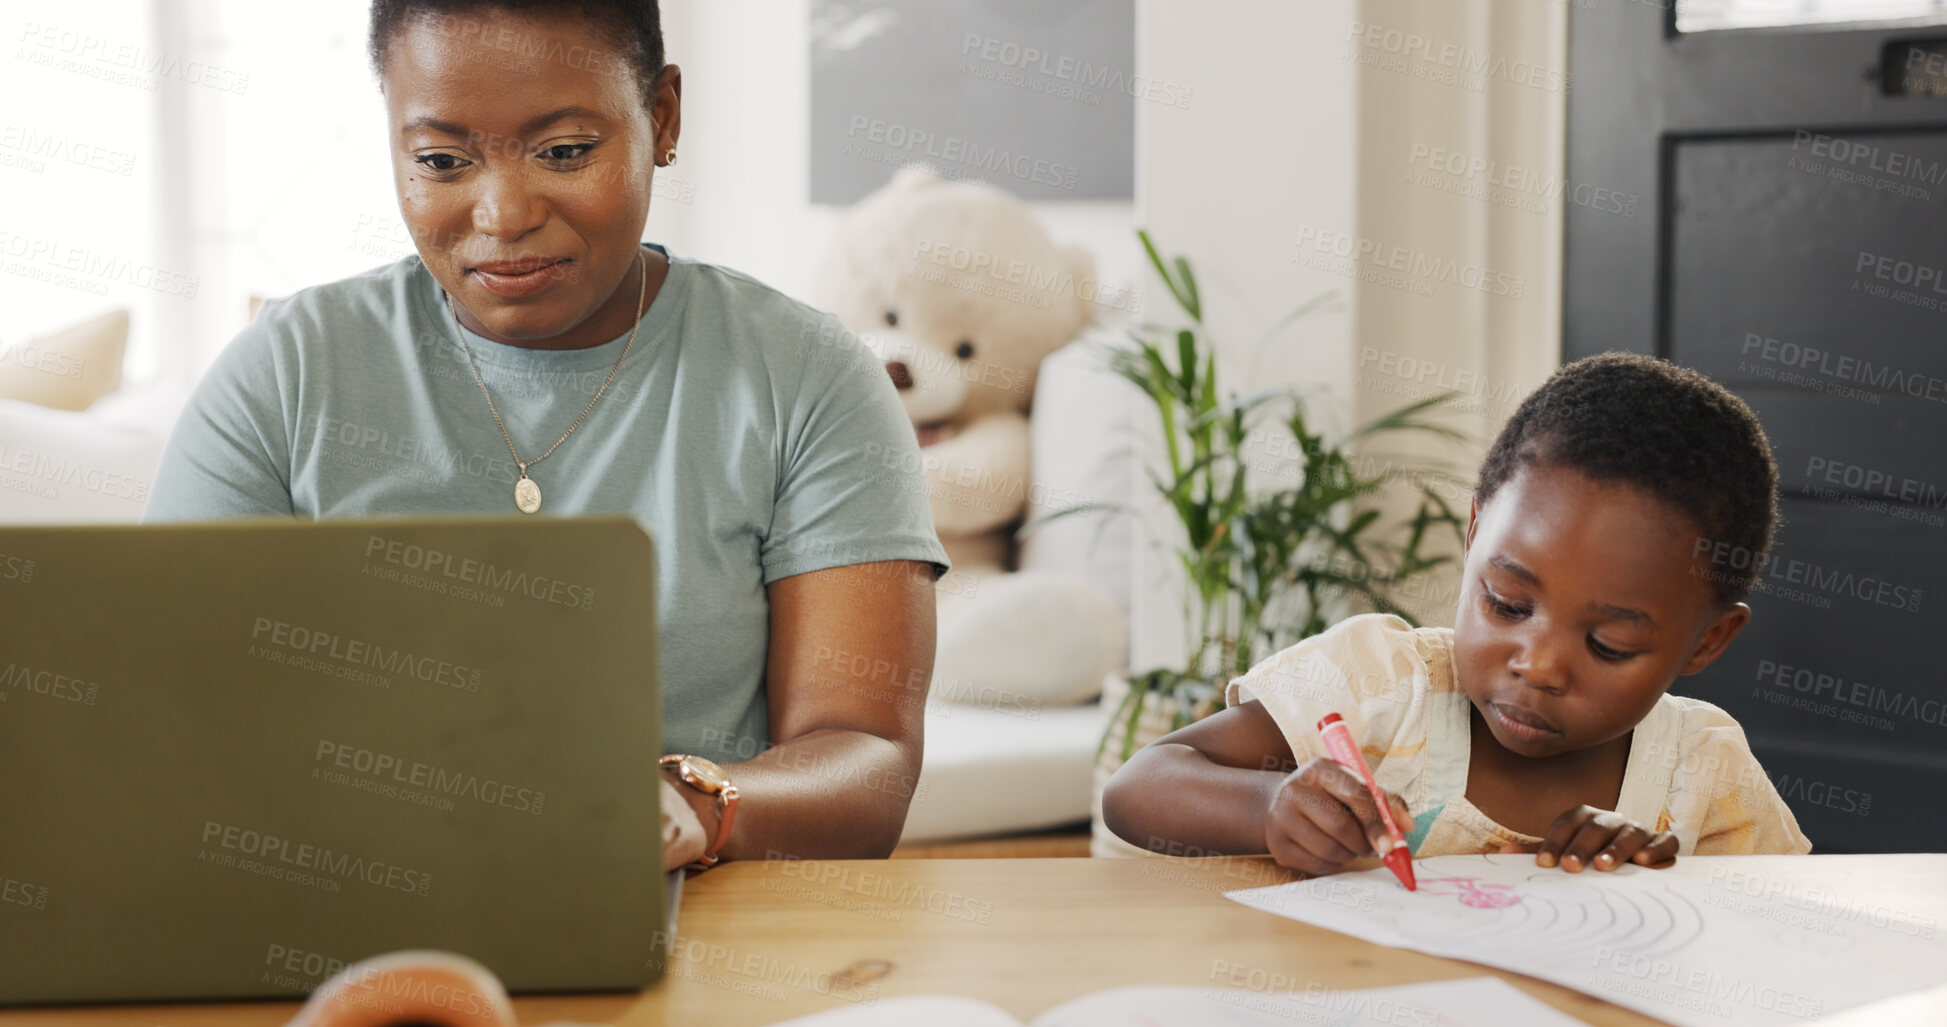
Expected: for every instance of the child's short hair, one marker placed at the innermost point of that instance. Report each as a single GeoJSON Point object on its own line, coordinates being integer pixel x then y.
{"type": "Point", "coordinates": [1675, 434]}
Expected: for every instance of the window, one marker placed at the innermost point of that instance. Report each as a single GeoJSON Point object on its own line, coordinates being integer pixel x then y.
{"type": "Point", "coordinates": [79, 165]}
{"type": "Point", "coordinates": [1708, 15]}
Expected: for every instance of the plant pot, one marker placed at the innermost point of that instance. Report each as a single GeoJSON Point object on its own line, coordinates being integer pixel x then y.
{"type": "Point", "coordinates": [1157, 716]}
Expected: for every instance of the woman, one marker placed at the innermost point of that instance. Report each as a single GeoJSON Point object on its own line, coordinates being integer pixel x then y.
{"type": "Point", "coordinates": [536, 355]}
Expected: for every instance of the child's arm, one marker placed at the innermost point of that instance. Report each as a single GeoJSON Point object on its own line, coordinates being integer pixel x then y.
{"type": "Point", "coordinates": [1229, 784]}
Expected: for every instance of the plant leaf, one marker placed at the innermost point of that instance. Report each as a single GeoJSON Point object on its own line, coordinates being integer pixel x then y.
{"type": "Point", "coordinates": [1186, 362]}
{"type": "Point", "coordinates": [1162, 270]}
{"type": "Point", "coordinates": [1190, 299]}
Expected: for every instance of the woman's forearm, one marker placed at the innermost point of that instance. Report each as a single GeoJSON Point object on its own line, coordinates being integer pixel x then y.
{"type": "Point", "coordinates": [832, 794]}
{"type": "Point", "coordinates": [851, 656]}
{"type": "Point", "coordinates": [1171, 799]}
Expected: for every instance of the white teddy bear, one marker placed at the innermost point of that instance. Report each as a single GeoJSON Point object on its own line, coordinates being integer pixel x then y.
{"type": "Point", "coordinates": [961, 293]}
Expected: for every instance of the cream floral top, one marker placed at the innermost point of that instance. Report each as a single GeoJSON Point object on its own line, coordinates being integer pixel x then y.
{"type": "Point", "coordinates": [1690, 770]}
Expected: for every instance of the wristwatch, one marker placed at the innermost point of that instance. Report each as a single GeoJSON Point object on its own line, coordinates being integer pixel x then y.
{"type": "Point", "coordinates": [708, 778]}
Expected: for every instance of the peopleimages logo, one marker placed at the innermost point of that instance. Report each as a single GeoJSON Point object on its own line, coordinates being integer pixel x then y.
{"type": "Point", "coordinates": [44, 258]}
{"type": "Point", "coordinates": [1465, 66]}
{"type": "Point", "coordinates": [1770, 568]}
{"type": "Point", "coordinates": [329, 645]}
{"type": "Point", "coordinates": [465, 570]}
{"type": "Point", "coordinates": [1437, 375]}
{"type": "Point", "coordinates": [60, 471]}
{"type": "Point", "coordinates": [1873, 157]}
{"type": "Point", "coordinates": [1413, 263]}
{"type": "Point", "coordinates": [16, 568]}
{"type": "Point", "coordinates": [1875, 482]}
{"type": "Point", "coordinates": [1507, 183]}
{"type": "Point", "coordinates": [883, 137]}
{"type": "Point", "coordinates": [65, 150]}
{"type": "Point", "coordinates": [30, 357]}
{"type": "Point", "coordinates": [1834, 373]}
{"type": "Point", "coordinates": [1029, 276]}
{"type": "Point", "coordinates": [1870, 698]}
{"type": "Point", "coordinates": [282, 855]}
{"type": "Point", "coordinates": [1065, 69]}
{"type": "Point", "coordinates": [1701, 988]}
{"type": "Point", "coordinates": [119, 61]}
{"type": "Point", "coordinates": [1734, 881]}
{"type": "Point", "coordinates": [436, 780]}
{"type": "Point", "coordinates": [21, 893]}
{"type": "Point", "coordinates": [298, 969]}
{"type": "Point", "coordinates": [45, 682]}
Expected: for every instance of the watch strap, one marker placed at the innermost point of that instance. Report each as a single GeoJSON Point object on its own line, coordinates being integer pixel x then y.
{"type": "Point", "coordinates": [726, 796]}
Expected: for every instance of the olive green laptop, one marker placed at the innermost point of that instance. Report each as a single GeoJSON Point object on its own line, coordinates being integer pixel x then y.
{"type": "Point", "coordinates": [235, 757]}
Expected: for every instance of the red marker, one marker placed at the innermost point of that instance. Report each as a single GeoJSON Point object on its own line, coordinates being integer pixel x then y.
{"type": "Point", "coordinates": [1345, 752]}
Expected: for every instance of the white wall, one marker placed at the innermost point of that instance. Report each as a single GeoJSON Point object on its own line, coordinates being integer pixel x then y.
{"type": "Point", "coordinates": [1301, 133]}
{"type": "Point", "coordinates": [1266, 149]}
{"type": "Point", "coordinates": [79, 170]}
{"type": "Point", "coordinates": [285, 180]}
{"type": "Point", "coordinates": [743, 163]}
{"type": "Point", "coordinates": [1459, 174]}
{"type": "Point", "coordinates": [738, 193]}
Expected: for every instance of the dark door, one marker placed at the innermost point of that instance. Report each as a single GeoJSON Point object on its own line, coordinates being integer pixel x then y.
{"type": "Point", "coordinates": [1769, 206]}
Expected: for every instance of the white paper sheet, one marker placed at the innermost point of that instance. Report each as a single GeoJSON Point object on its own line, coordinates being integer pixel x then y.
{"type": "Point", "coordinates": [1469, 1002]}
{"type": "Point", "coordinates": [909, 1010]}
{"type": "Point", "coordinates": [1687, 948]}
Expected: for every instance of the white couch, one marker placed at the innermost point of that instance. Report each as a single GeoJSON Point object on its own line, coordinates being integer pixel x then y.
{"type": "Point", "coordinates": [76, 447]}
{"type": "Point", "coordinates": [83, 467]}
{"type": "Point", "coordinates": [992, 772]}
{"type": "Point", "coordinates": [986, 772]}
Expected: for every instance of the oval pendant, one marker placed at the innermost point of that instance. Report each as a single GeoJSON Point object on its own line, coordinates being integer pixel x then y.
{"type": "Point", "coordinates": [527, 495]}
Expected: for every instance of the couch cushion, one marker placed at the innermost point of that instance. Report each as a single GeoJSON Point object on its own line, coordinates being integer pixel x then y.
{"type": "Point", "coordinates": [995, 772]}
{"type": "Point", "coordinates": [1084, 448]}
{"type": "Point", "coordinates": [66, 369]}
{"type": "Point", "coordinates": [66, 467]}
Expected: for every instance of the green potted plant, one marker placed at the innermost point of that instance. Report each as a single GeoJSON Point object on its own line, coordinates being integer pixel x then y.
{"type": "Point", "coordinates": [1264, 564]}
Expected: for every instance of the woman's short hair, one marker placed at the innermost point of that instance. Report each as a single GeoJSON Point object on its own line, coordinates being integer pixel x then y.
{"type": "Point", "coordinates": [635, 24]}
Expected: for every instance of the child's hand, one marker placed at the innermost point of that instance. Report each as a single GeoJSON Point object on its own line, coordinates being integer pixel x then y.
{"type": "Point", "coordinates": [1322, 815]}
{"type": "Point", "coordinates": [1586, 836]}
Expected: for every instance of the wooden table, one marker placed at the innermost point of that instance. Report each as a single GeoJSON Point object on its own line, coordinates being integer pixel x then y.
{"type": "Point", "coordinates": [763, 942]}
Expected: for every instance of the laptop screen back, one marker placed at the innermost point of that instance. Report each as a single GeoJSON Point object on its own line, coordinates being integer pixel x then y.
{"type": "Point", "coordinates": [239, 756]}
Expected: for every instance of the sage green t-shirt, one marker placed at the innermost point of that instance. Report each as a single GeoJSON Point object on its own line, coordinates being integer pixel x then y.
{"type": "Point", "coordinates": [752, 435]}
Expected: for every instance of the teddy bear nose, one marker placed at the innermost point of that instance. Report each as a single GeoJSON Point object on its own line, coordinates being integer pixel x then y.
{"type": "Point", "coordinates": [902, 377]}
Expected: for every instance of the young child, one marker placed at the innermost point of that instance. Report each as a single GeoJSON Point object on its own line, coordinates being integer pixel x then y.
{"type": "Point", "coordinates": [1540, 722]}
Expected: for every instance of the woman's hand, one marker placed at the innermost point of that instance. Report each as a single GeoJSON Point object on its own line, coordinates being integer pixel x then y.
{"type": "Point", "coordinates": [1586, 836]}
{"type": "Point", "coordinates": [1322, 815]}
{"type": "Point", "coordinates": [683, 835]}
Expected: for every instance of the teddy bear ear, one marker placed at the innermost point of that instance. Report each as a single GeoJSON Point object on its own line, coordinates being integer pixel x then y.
{"type": "Point", "coordinates": [914, 176]}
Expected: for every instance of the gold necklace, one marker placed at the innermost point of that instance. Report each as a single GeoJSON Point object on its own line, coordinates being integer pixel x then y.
{"type": "Point", "coordinates": [527, 494]}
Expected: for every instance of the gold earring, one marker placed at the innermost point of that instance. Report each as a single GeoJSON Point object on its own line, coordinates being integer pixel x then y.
{"type": "Point", "coordinates": [669, 159]}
